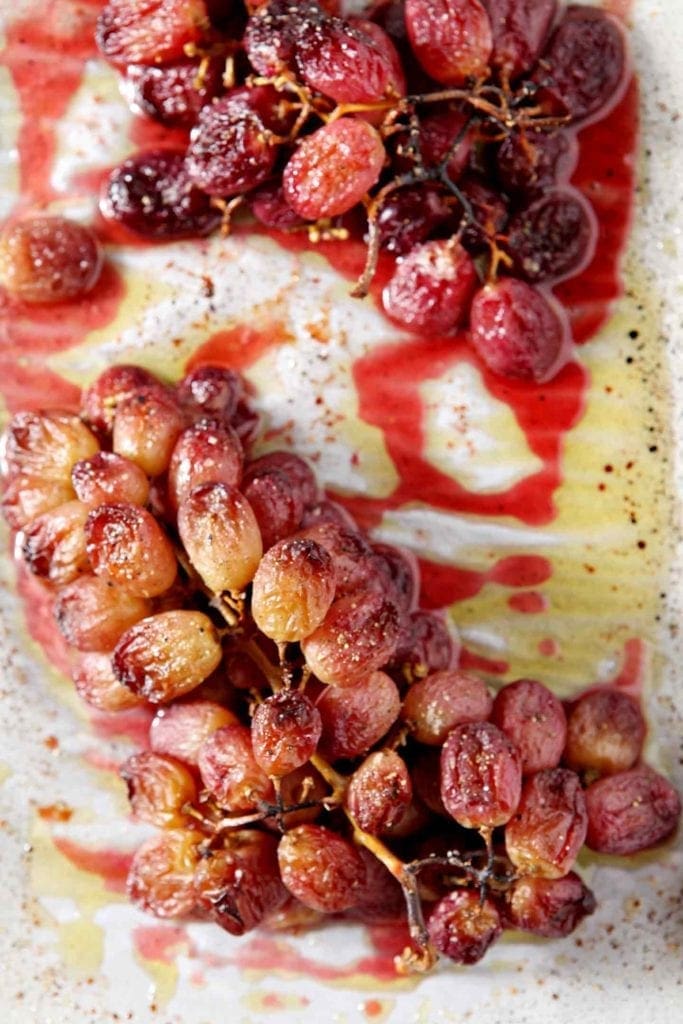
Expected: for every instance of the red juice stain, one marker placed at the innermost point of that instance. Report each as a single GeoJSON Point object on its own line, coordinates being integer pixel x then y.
{"type": "Point", "coordinates": [443, 585]}
{"type": "Point", "coordinates": [45, 86]}
{"type": "Point", "coordinates": [548, 647]}
{"type": "Point", "coordinates": [630, 676]}
{"type": "Point", "coordinates": [27, 385]}
{"type": "Point", "coordinates": [372, 1008]}
{"type": "Point", "coordinates": [111, 865]}
{"type": "Point", "coordinates": [528, 602]}
{"type": "Point", "coordinates": [262, 953]}
{"type": "Point", "coordinates": [238, 347]}
{"type": "Point", "coordinates": [160, 942]}
{"type": "Point", "coordinates": [478, 663]}
{"type": "Point", "coordinates": [99, 760]}
{"type": "Point", "coordinates": [147, 134]}
{"type": "Point", "coordinates": [38, 602]}
{"type": "Point", "coordinates": [134, 725]}
{"type": "Point", "coordinates": [521, 571]}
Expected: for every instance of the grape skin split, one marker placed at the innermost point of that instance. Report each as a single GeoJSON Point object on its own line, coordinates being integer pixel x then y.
{"type": "Point", "coordinates": [314, 743]}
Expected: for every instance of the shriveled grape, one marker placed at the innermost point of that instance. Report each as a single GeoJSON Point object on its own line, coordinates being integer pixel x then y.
{"type": "Point", "coordinates": [605, 732]}
{"type": "Point", "coordinates": [285, 730]}
{"type": "Point", "coordinates": [158, 789]}
{"type": "Point", "coordinates": [534, 719]}
{"type": "Point", "coordinates": [355, 718]}
{"type": "Point", "coordinates": [357, 636]}
{"type": "Point", "coordinates": [462, 926]}
{"type": "Point", "coordinates": [435, 705]}
{"type": "Point", "coordinates": [631, 811]}
{"type": "Point", "coordinates": [92, 612]}
{"type": "Point", "coordinates": [481, 776]}
{"type": "Point", "coordinates": [379, 792]}
{"type": "Point", "coordinates": [551, 907]}
{"type": "Point", "coordinates": [221, 535]}
{"type": "Point", "coordinates": [321, 868]}
{"type": "Point", "coordinates": [107, 477]}
{"type": "Point", "coordinates": [180, 729]}
{"type": "Point", "coordinates": [206, 452]}
{"type": "Point", "coordinates": [49, 259]}
{"type": "Point", "coordinates": [293, 589]}
{"type": "Point", "coordinates": [161, 875]}
{"type": "Point", "coordinates": [54, 545]}
{"type": "Point", "coordinates": [549, 827]}
{"type": "Point", "coordinates": [431, 287]}
{"type": "Point", "coordinates": [127, 545]}
{"type": "Point", "coordinates": [230, 771]}
{"type": "Point", "coordinates": [97, 685]}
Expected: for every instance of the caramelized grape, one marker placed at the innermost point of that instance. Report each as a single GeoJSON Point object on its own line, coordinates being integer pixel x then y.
{"type": "Point", "coordinates": [350, 63]}
{"type": "Point", "coordinates": [435, 705]}
{"type": "Point", "coordinates": [481, 776]}
{"type": "Point", "coordinates": [379, 792]}
{"type": "Point", "coordinates": [520, 28]}
{"type": "Point", "coordinates": [534, 720]}
{"type": "Point", "coordinates": [431, 287]}
{"type": "Point", "coordinates": [96, 684]}
{"type": "Point", "coordinates": [158, 789]}
{"type": "Point", "coordinates": [402, 573]}
{"type": "Point", "coordinates": [355, 718]}
{"type": "Point", "coordinates": [409, 216]}
{"type": "Point", "coordinates": [585, 65]}
{"type": "Point", "coordinates": [605, 732]}
{"type": "Point", "coordinates": [321, 868]}
{"type": "Point", "coordinates": [107, 477]}
{"type": "Point", "coordinates": [27, 497]}
{"type": "Point", "coordinates": [161, 876]}
{"type": "Point", "coordinates": [285, 730]}
{"type": "Point", "coordinates": [53, 545]}
{"type": "Point", "coordinates": [451, 38]}
{"type": "Point", "coordinates": [48, 259]}
{"type": "Point", "coordinates": [179, 730]}
{"type": "Point", "coordinates": [166, 655]}
{"type": "Point", "coordinates": [92, 613]}
{"type": "Point", "coordinates": [551, 907]}
{"type": "Point", "coordinates": [549, 828]}
{"type": "Point", "coordinates": [211, 392]}
{"type": "Point", "coordinates": [269, 206]}
{"type": "Point", "coordinates": [322, 512]}
{"type": "Point", "coordinates": [518, 331]}
{"type": "Point", "coordinates": [220, 533]}
{"type": "Point", "coordinates": [271, 36]}
{"type": "Point", "coordinates": [100, 400]}
{"type": "Point", "coordinates": [532, 161]}
{"type": "Point", "coordinates": [554, 237]}
{"type": "Point", "coordinates": [349, 551]}
{"type": "Point", "coordinates": [462, 926]}
{"type": "Point", "coordinates": [332, 169]}
{"type": "Point", "coordinates": [239, 884]}
{"type": "Point", "coordinates": [293, 589]}
{"type": "Point", "coordinates": [426, 645]}
{"type": "Point", "coordinates": [276, 503]}
{"type": "Point", "coordinates": [127, 546]}
{"type": "Point", "coordinates": [173, 94]}
{"type": "Point", "coordinates": [206, 452]}
{"type": "Point", "coordinates": [153, 195]}
{"type": "Point", "coordinates": [149, 31]}
{"type": "Point", "coordinates": [230, 771]}
{"type": "Point", "coordinates": [357, 636]}
{"type": "Point", "coordinates": [44, 446]}
{"type": "Point", "coordinates": [296, 469]}
{"type": "Point", "coordinates": [631, 811]}
{"type": "Point", "coordinates": [147, 425]}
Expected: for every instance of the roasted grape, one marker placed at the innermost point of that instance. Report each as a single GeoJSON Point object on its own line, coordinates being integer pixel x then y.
{"type": "Point", "coordinates": [208, 452]}
{"type": "Point", "coordinates": [435, 705]}
{"type": "Point", "coordinates": [462, 926]}
{"type": "Point", "coordinates": [127, 546]}
{"type": "Point", "coordinates": [92, 612]}
{"type": "Point", "coordinates": [53, 546]}
{"type": "Point", "coordinates": [451, 38]}
{"type": "Point", "coordinates": [179, 730]}
{"type": "Point", "coordinates": [293, 589]}
{"type": "Point", "coordinates": [605, 732]}
{"type": "Point", "coordinates": [146, 428]}
{"type": "Point", "coordinates": [158, 789]}
{"type": "Point", "coordinates": [161, 876]}
{"type": "Point", "coordinates": [548, 829]}
{"type": "Point", "coordinates": [551, 907]}
{"type": "Point", "coordinates": [96, 683]}
{"type": "Point", "coordinates": [48, 259]}
{"type": "Point", "coordinates": [357, 636]}
{"type": "Point", "coordinates": [221, 535]}
{"type": "Point", "coordinates": [631, 811]}
{"type": "Point", "coordinates": [285, 730]}
{"type": "Point", "coordinates": [321, 868]}
{"type": "Point", "coordinates": [355, 718]}
{"type": "Point", "coordinates": [107, 478]}
{"type": "Point", "coordinates": [231, 773]}
{"type": "Point", "coordinates": [534, 719]}
{"type": "Point", "coordinates": [481, 776]}
{"type": "Point", "coordinates": [379, 792]}
{"type": "Point", "coordinates": [431, 288]}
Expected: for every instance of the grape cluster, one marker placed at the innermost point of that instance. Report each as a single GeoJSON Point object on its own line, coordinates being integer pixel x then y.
{"type": "Point", "coordinates": [442, 133]}
{"type": "Point", "coordinates": [315, 748]}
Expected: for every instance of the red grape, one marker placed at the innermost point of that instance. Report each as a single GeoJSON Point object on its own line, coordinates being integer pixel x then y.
{"type": "Point", "coordinates": [92, 613]}
{"type": "Point", "coordinates": [211, 391]}
{"type": "Point", "coordinates": [54, 545]}
{"type": "Point", "coordinates": [409, 215]}
{"type": "Point", "coordinates": [321, 868]}
{"type": "Point", "coordinates": [534, 719]}
{"type": "Point", "coordinates": [285, 730]}
{"type": "Point", "coordinates": [554, 237]}
{"type": "Point", "coordinates": [45, 445]}
{"type": "Point", "coordinates": [127, 545]}
{"type": "Point", "coordinates": [462, 926]}
{"type": "Point", "coordinates": [230, 771]}
{"type": "Point", "coordinates": [179, 730]}
{"type": "Point", "coordinates": [220, 533]}
{"type": "Point", "coordinates": [520, 28]}
{"type": "Point", "coordinates": [48, 259]}
{"type": "Point", "coordinates": [107, 478]}
{"type": "Point", "coordinates": [173, 94]}
{"type": "Point", "coordinates": [357, 636]}
{"type": "Point", "coordinates": [207, 452]}
{"type": "Point", "coordinates": [605, 732]}
{"type": "Point", "coordinates": [518, 331]}
{"type": "Point", "coordinates": [438, 132]}
{"type": "Point", "coordinates": [158, 789]}
{"type": "Point", "coordinates": [435, 705]}
{"type": "Point", "coordinates": [149, 31]}
{"type": "Point", "coordinates": [451, 39]}
{"type": "Point", "coordinates": [379, 792]}
{"type": "Point", "coordinates": [549, 828]}
{"type": "Point", "coordinates": [551, 907]}
{"type": "Point", "coordinates": [349, 551]}
{"type": "Point", "coordinates": [400, 568]}
{"type": "Point", "coordinates": [96, 684]}
{"type": "Point", "coordinates": [296, 469]}
{"type": "Point", "coordinates": [431, 288]}
{"type": "Point", "coordinates": [161, 877]}
{"type": "Point", "coordinates": [293, 589]}
{"type": "Point", "coordinates": [272, 33]}
{"type": "Point", "coordinates": [276, 503]}
{"type": "Point", "coordinates": [481, 776]}
{"type": "Point", "coordinates": [99, 401]}
{"type": "Point", "coordinates": [332, 169]}
{"type": "Point", "coordinates": [426, 645]}
{"type": "Point", "coordinates": [350, 63]}
{"type": "Point", "coordinates": [530, 162]}
{"type": "Point", "coordinates": [631, 811]}
{"type": "Point", "coordinates": [269, 206]}
{"type": "Point", "coordinates": [355, 718]}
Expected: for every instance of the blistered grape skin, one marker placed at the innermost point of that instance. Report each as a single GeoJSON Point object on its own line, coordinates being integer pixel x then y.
{"type": "Point", "coordinates": [167, 655]}
{"type": "Point", "coordinates": [605, 732]}
{"type": "Point", "coordinates": [206, 452]}
{"type": "Point", "coordinates": [296, 469]}
{"type": "Point", "coordinates": [45, 445]}
{"type": "Point", "coordinates": [349, 62]}
{"type": "Point", "coordinates": [276, 503]}
{"type": "Point", "coordinates": [161, 875]}
{"type": "Point", "coordinates": [212, 392]}
{"type": "Point", "coordinates": [100, 399]}
{"type": "Point", "coordinates": [585, 65]}
{"type": "Point", "coordinates": [547, 831]}
{"type": "Point", "coordinates": [230, 150]}
{"type": "Point", "coordinates": [92, 613]}
{"type": "Point", "coordinates": [24, 498]}
{"type": "Point", "coordinates": [149, 31]}
{"type": "Point", "coordinates": [221, 536]}
{"type": "Point", "coordinates": [96, 684]}
{"type": "Point", "coordinates": [151, 194]}
{"type": "Point", "coordinates": [332, 169]}
{"type": "Point", "coordinates": [293, 589]}
{"type": "Point", "coordinates": [451, 38]}
{"type": "Point", "coordinates": [180, 729]}
{"type": "Point", "coordinates": [175, 93]}
{"type": "Point", "coordinates": [239, 884]}
{"type": "Point", "coordinates": [54, 545]}
{"type": "Point", "coordinates": [481, 776]}
{"type": "Point", "coordinates": [435, 705]}
{"type": "Point", "coordinates": [349, 551]}
{"type": "Point", "coordinates": [127, 545]}
{"type": "Point", "coordinates": [107, 477]}
{"type": "Point", "coordinates": [147, 425]}
{"type": "Point", "coordinates": [409, 215]}
{"type": "Point", "coordinates": [48, 259]}
{"type": "Point", "coordinates": [462, 926]}
{"type": "Point", "coordinates": [550, 907]}
{"type": "Point", "coordinates": [554, 237]}
{"type": "Point", "coordinates": [431, 288]}
{"type": "Point", "coordinates": [272, 33]}
{"type": "Point", "coordinates": [158, 789]}
{"type": "Point", "coordinates": [402, 573]}
{"type": "Point", "coordinates": [519, 28]}
{"type": "Point", "coordinates": [631, 811]}
{"type": "Point", "coordinates": [285, 730]}
{"type": "Point", "coordinates": [321, 868]}
{"type": "Point", "coordinates": [534, 719]}
{"type": "Point", "coordinates": [380, 899]}
{"type": "Point", "coordinates": [531, 162]}
{"type": "Point", "coordinates": [426, 645]}
{"type": "Point", "coordinates": [518, 331]}
{"type": "Point", "coordinates": [357, 636]}
{"type": "Point", "coordinates": [379, 792]}
{"type": "Point", "coordinates": [355, 718]}
{"type": "Point", "coordinates": [230, 771]}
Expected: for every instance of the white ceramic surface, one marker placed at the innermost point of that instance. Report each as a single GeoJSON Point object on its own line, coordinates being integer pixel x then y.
{"type": "Point", "coordinates": [66, 949]}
